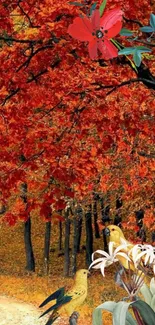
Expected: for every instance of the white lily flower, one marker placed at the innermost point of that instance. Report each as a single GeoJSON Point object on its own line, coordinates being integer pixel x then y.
{"type": "Point", "coordinates": [147, 251]}
{"type": "Point", "coordinates": [108, 259]}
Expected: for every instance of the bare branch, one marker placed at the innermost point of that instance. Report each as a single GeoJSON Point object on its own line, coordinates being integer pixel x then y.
{"type": "Point", "coordinates": [133, 21]}
{"type": "Point", "coordinates": [144, 154]}
{"type": "Point", "coordinates": [26, 15]}
{"type": "Point", "coordinates": [22, 41]}
{"type": "Point", "coordinates": [128, 82]}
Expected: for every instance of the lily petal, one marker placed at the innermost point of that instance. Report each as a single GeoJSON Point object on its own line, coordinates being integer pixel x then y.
{"type": "Point", "coordinates": [111, 245]}
{"type": "Point", "coordinates": [111, 18]}
{"type": "Point", "coordinates": [81, 29]}
{"type": "Point", "coordinates": [108, 50]}
{"type": "Point", "coordinates": [114, 30]}
{"type": "Point", "coordinates": [98, 260]}
{"type": "Point", "coordinates": [99, 251]}
{"type": "Point", "coordinates": [95, 19]}
{"type": "Point", "coordinates": [92, 48]}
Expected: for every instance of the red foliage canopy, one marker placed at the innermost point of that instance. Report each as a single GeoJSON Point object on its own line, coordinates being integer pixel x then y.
{"type": "Point", "coordinates": [61, 132]}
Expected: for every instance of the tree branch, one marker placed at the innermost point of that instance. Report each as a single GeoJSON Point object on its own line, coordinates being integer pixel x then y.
{"type": "Point", "coordinates": [144, 154]}
{"type": "Point", "coordinates": [27, 62]}
{"type": "Point", "coordinates": [127, 82]}
{"type": "Point", "coordinates": [26, 15]}
{"type": "Point", "coordinates": [22, 41]}
{"type": "Point", "coordinates": [133, 21]}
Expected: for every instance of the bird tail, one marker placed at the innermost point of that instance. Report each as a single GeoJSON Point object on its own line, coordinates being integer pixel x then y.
{"type": "Point", "coordinates": [52, 318]}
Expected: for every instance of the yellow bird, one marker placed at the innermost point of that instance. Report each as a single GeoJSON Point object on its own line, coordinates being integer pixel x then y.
{"type": "Point", "coordinates": [116, 235]}
{"type": "Point", "coordinates": [67, 303]}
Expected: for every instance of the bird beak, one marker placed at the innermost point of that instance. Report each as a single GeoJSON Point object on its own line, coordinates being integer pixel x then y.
{"type": "Point", "coordinates": [89, 274]}
{"type": "Point", "coordinates": [107, 231]}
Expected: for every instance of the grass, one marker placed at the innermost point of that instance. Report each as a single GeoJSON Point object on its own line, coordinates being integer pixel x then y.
{"type": "Point", "coordinates": [35, 287]}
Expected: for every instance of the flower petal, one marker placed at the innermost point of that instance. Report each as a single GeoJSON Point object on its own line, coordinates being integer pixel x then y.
{"type": "Point", "coordinates": [103, 267]}
{"type": "Point", "coordinates": [108, 50]}
{"type": "Point", "coordinates": [81, 29]}
{"type": "Point", "coordinates": [121, 247]}
{"type": "Point", "coordinates": [95, 20]}
{"type": "Point", "coordinates": [110, 18]}
{"type": "Point", "coordinates": [111, 245]}
{"type": "Point", "coordinates": [135, 250]}
{"type": "Point", "coordinates": [98, 260]}
{"type": "Point", "coordinates": [138, 257]}
{"type": "Point", "coordinates": [99, 251]}
{"type": "Point", "coordinates": [92, 48]}
{"type": "Point", "coordinates": [114, 30]}
{"type": "Point", "coordinates": [124, 255]}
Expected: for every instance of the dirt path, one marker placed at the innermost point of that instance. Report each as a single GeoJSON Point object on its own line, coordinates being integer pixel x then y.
{"type": "Point", "coordinates": [15, 312]}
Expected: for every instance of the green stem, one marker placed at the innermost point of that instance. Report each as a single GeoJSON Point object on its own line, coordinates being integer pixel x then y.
{"type": "Point", "coordinates": [117, 44]}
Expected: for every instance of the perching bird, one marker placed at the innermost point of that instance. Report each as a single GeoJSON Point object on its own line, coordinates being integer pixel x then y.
{"type": "Point", "coordinates": [67, 303]}
{"type": "Point", "coordinates": [116, 235]}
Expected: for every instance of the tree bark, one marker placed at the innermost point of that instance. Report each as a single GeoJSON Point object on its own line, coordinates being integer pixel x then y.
{"type": "Point", "coordinates": [103, 232]}
{"type": "Point", "coordinates": [74, 249]}
{"type": "Point", "coordinates": [79, 217]}
{"type": "Point", "coordinates": [30, 261]}
{"type": "Point", "coordinates": [67, 242]}
{"type": "Point", "coordinates": [97, 233]}
{"type": "Point", "coordinates": [89, 236]}
{"type": "Point", "coordinates": [47, 246]}
{"type": "Point", "coordinates": [60, 235]}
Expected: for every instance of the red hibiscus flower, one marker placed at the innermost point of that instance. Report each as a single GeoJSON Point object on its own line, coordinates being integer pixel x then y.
{"type": "Point", "coordinates": [98, 32]}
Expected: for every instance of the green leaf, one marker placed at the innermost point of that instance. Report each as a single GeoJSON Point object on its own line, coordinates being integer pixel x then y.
{"type": "Point", "coordinates": [127, 51]}
{"type": "Point", "coordinates": [97, 317]}
{"type": "Point", "coordinates": [146, 29]}
{"type": "Point", "coordinates": [102, 7]}
{"type": "Point", "coordinates": [119, 313]}
{"type": "Point", "coordinates": [152, 21]}
{"type": "Point", "coordinates": [137, 58]}
{"type": "Point", "coordinates": [126, 32]}
{"type": "Point", "coordinates": [110, 306]}
{"type": "Point", "coordinates": [152, 286]}
{"type": "Point", "coordinates": [146, 293]}
{"type": "Point", "coordinates": [145, 311]}
{"type": "Point", "coordinates": [143, 49]}
{"type": "Point", "coordinates": [93, 7]}
{"type": "Point", "coordinates": [153, 303]}
{"type": "Point", "coordinates": [97, 313]}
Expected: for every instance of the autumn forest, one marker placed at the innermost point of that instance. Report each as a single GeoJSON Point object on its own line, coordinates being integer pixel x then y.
{"type": "Point", "coordinates": [77, 135]}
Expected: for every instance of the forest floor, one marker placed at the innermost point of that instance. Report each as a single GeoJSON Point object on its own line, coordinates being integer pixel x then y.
{"type": "Point", "coordinates": [30, 289]}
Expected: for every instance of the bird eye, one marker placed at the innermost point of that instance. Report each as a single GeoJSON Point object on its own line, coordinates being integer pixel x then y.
{"type": "Point", "coordinates": [84, 272]}
{"type": "Point", "coordinates": [112, 229]}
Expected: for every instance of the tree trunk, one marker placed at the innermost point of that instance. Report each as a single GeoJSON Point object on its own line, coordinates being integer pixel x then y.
{"type": "Point", "coordinates": [67, 241]}
{"type": "Point", "coordinates": [97, 233]}
{"type": "Point", "coordinates": [105, 241]}
{"type": "Point", "coordinates": [79, 216]}
{"type": "Point", "coordinates": [60, 235]}
{"type": "Point", "coordinates": [74, 249]}
{"type": "Point", "coordinates": [89, 236]}
{"type": "Point", "coordinates": [103, 232]}
{"type": "Point", "coordinates": [47, 246]}
{"type": "Point", "coordinates": [30, 261]}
